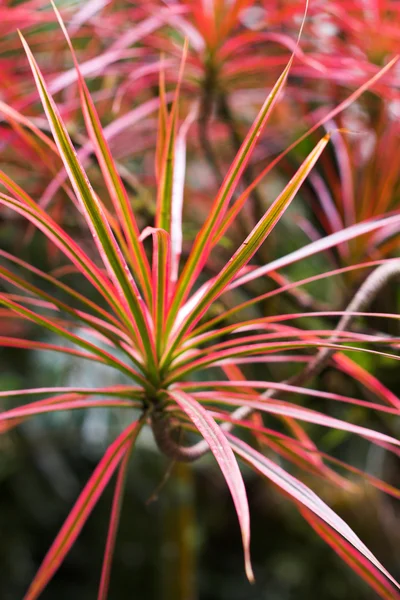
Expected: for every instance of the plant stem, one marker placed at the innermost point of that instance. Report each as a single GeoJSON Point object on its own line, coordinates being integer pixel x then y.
{"type": "Point", "coordinates": [178, 548]}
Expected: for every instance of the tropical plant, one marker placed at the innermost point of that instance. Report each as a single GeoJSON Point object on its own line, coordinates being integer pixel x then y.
{"type": "Point", "coordinates": [356, 182]}
{"type": "Point", "coordinates": [160, 325]}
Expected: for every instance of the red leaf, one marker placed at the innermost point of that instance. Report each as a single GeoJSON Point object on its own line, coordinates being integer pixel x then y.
{"type": "Point", "coordinates": [81, 511]}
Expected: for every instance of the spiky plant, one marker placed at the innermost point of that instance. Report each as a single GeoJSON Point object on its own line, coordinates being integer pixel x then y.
{"type": "Point", "coordinates": [154, 327]}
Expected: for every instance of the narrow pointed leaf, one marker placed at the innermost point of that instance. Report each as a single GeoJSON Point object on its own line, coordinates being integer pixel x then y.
{"type": "Point", "coordinates": [285, 409]}
{"type": "Point", "coordinates": [59, 405]}
{"type": "Point", "coordinates": [114, 522]}
{"type": "Point", "coordinates": [162, 122]}
{"type": "Point", "coordinates": [177, 196]}
{"type": "Point", "coordinates": [167, 162]}
{"type": "Point", "coordinates": [300, 492]}
{"type": "Point", "coordinates": [111, 176]}
{"type": "Point", "coordinates": [358, 373]}
{"type": "Point", "coordinates": [226, 460]}
{"type": "Point", "coordinates": [352, 557]}
{"type": "Point", "coordinates": [318, 246]}
{"type": "Point", "coordinates": [81, 511]}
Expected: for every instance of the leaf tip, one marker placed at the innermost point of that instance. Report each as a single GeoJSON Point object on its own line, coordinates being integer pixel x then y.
{"type": "Point", "coordinates": [249, 569]}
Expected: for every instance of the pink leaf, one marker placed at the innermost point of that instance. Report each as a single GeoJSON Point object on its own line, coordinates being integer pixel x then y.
{"type": "Point", "coordinates": [303, 494]}
{"type": "Point", "coordinates": [227, 462]}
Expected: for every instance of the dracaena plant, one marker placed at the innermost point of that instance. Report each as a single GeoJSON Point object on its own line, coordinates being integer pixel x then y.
{"type": "Point", "coordinates": [154, 326]}
{"type": "Point", "coordinates": [237, 48]}
{"type": "Point", "coordinates": [356, 183]}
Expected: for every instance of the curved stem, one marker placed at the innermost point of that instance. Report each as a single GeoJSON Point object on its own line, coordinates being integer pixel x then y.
{"type": "Point", "coordinates": [162, 428]}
